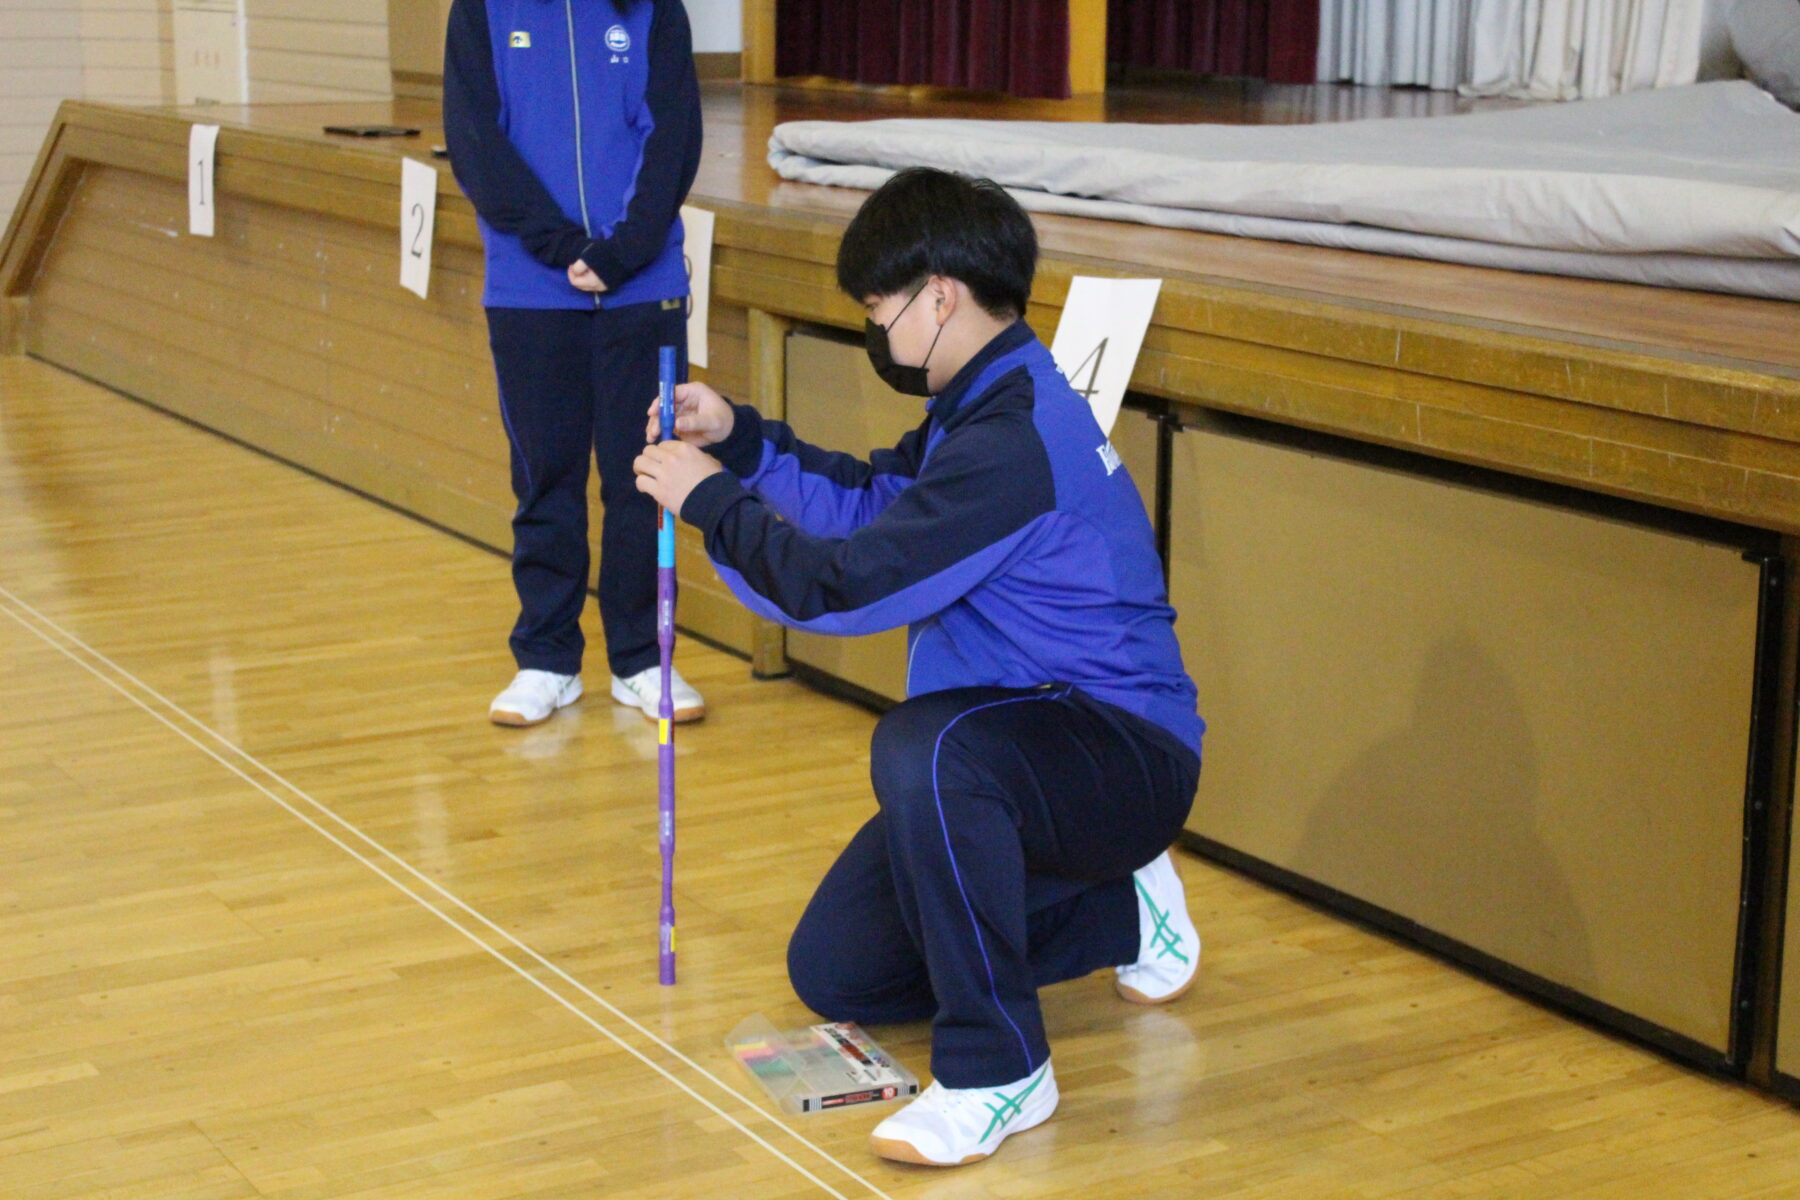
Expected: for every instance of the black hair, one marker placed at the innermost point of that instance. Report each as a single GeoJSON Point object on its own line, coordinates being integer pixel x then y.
{"type": "Point", "coordinates": [926, 222]}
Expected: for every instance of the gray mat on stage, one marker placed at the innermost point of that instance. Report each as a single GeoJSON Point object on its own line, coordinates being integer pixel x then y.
{"type": "Point", "coordinates": [1689, 187]}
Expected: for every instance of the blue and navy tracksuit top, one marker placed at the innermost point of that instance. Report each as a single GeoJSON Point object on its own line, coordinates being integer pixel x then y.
{"type": "Point", "coordinates": [1004, 531]}
{"type": "Point", "coordinates": [574, 130]}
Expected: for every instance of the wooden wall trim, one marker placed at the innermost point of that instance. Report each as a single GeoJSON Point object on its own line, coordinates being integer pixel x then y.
{"type": "Point", "coordinates": [759, 41]}
{"type": "Point", "coordinates": [13, 314]}
{"type": "Point", "coordinates": [713, 66]}
{"type": "Point", "coordinates": [419, 85]}
{"type": "Point", "coordinates": [429, 85]}
{"type": "Point", "coordinates": [40, 204]}
{"type": "Point", "coordinates": [1087, 47]}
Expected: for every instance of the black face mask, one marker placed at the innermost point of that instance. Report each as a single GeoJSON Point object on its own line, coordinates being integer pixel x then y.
{"type": "Point", "coordinates": [908, 381]}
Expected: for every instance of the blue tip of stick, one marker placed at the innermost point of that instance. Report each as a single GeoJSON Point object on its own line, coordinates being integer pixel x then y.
{"type": "Point", "coordinates": [666, 371]}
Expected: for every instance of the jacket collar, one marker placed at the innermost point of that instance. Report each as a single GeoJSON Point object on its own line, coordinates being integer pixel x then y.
{"type": "Point", "coordinates": [948, 405]}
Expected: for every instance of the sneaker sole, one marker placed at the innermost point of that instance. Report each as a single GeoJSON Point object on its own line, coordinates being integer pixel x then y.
{"type": "Point", "coordinates": [906, 1152]}
{"type": "Point", "coordinates": [1136, 997]}
{"type": "Point", "coordinates": [513, 720]}
{"type": "Point", "coordinates": [683, 716]}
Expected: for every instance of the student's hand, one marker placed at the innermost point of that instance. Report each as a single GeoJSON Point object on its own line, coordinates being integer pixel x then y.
{"type": "Point", "coordinates": [671, 470]}
{"type": "Point", "coordinates": [582, 276]}
{"type": "Point", "coordinates": [702, 416]}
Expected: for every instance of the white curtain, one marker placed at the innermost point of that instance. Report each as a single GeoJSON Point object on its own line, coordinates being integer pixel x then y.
{"type": "Point", "coordinates": [1580, 49]}
{"type": "Point", "coordinates": [1530, 49]}
{"type": "Point", "coordinates": [1393, 43]}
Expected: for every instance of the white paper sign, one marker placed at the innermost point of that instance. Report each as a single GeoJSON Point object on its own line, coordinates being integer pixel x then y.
{"type": "Point", "coordinates": [418, 217]}
{"type": "Point", "coordinates": [1098, 339]}
{"type": "Point", "coordinates": [698, 222]}
{"type": "Point", "coordinates": [203, 145]}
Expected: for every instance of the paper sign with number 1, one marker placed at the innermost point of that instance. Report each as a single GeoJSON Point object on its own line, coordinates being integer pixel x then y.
{"type": "Point", "coordinates": [418, 216]}
{"type": "Point", "coordinates": [1098, 339]}
{"type": "Point", "coordinates": [203, 144]}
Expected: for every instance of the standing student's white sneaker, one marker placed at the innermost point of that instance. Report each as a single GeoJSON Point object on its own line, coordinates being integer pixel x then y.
{"type": "Point", "coordinates": [1168, 945]}
{"type": "Point", "coordinates": [643, 691]}
{"type": "Point", "coordinates": [532, 696]}
{"type": "Point", "coordinates": [948, 1127]}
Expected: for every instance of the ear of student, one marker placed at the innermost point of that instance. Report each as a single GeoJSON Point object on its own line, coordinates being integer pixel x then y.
{"type": "Point", "coordinates": [947, 294]}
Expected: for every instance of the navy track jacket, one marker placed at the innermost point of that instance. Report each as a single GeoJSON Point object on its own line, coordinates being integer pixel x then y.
{"type": "Point", "coordinates": [1004, 531]}
{"type": "Point", "coordinates": [575, 132]}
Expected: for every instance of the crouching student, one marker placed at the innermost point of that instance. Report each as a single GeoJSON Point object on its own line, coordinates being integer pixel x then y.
{"type": "Point", "coordinates": [1050, 749]}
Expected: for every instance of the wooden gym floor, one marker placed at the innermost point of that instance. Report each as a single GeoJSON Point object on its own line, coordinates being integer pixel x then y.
{"type": "Point", "coordinates": [281, 915]}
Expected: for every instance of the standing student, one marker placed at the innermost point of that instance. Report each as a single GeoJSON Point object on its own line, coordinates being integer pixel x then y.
{"type": "Point", "coordinates": [574, 128]}
{"type": "Point", "coordinates": [1049, 750]}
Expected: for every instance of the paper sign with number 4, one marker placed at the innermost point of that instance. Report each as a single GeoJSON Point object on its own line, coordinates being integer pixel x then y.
{"type": "Point", "coordinates": [1098, 339]}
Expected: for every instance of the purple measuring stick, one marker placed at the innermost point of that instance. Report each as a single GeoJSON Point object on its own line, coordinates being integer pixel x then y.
{"type": "Point", "coordinates": [665, 640]}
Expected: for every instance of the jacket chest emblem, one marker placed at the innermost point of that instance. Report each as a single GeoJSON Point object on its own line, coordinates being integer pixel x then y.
{"type": "Point", "coordinates": [520, 41]}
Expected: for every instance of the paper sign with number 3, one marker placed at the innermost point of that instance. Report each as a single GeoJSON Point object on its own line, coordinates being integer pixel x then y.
{"type": "Point", "coordinates": [418, 217]}
{"type": "Point", "coordinates": [1098, 339]}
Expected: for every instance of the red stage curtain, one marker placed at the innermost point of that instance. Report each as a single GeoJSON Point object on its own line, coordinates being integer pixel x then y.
{"type": "Point", "coordinates": [1277, 40]}
{"type": "Point", "coordinates": [1020, 47]}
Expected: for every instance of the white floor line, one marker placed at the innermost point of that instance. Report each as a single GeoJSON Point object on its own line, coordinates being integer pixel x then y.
{"type": "Point", "coordinates": [407, 867]}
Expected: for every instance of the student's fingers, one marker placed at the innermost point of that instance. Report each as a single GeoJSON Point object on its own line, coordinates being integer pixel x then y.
{"type": "Point", "coordinates": [651, 470]}
{"type": "Point", "coordinates": [653, 426]}
{"type": "Point", "coordinates": [584, 277]}
{"type": "Point", "coordinates": [685, 405]}
{"type": "Point", "coordinates": [658, 455]}
{"type": "Point", "coordinates": [690, 396]}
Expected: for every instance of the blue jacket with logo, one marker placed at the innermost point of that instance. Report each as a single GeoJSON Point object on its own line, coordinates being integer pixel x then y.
{"type": "Point", "coordinates": [1004, 531]}
{"type": "Point", "coordinates": [574, 129]}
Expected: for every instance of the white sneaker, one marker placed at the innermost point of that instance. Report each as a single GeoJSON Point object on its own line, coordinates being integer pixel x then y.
{"type": "Point", "coordinates": [532, 696]}
{"type": "Point", "coordinates": [643, 691]}
{"type": "Point", "coordinates": [950, 1127]}
{"type": "Point", "coordinates": [1168, 945]}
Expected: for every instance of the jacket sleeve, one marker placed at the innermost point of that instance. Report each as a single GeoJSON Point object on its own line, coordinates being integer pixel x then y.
{"type": "Point", "coordinates": [822, 492]}
{"type": "Point", "coordinates": [671, 156]}
{"type": "Point", "coordinates": [499, 183]}
{"type": "Point", "coordinates": [979, 502]}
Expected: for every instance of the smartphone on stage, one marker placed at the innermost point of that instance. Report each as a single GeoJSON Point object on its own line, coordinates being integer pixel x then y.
{"type": "Point", "coordinates": [368, 131]}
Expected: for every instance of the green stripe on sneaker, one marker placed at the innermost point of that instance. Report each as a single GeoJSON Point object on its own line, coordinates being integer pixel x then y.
{"type": "Point", "coordinates": [1163, 937]}
{"type": "Point", "coordinates": [1011, 1106]}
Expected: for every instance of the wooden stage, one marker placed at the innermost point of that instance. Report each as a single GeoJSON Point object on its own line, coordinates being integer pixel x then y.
{"type": "Point", "coordinates": [1485, 577]}
{"type": "Point", "coordinates": [1681, 398]}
